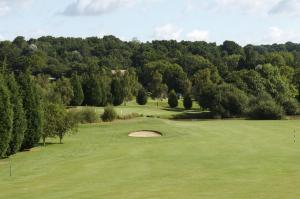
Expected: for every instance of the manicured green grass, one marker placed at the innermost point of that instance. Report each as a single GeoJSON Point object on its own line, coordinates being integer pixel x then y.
{"type": "Point", "coordinates": [215, 159]}
{"type": "Point", "coordinates": [151, 109]}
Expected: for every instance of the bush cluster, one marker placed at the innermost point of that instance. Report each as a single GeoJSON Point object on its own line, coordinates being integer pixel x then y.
{"type": "Point", "coordinates": [109, 114]}
{"type": "Point", "coordinates": [85, 115]}
{"type": "Point", "coordinates": [264, 107]}
{"type": "Point", "coordinates": [266, 110]}
{"type": "Point", "coordinates": [172, 99]}
{"type": "Point", "coordinates": [187, 102]}
{"type": "Point", "coordinates": [142, 97]}
{"type": "Point", "coordinates": [291, 106]}
{"type": "Point", "coordinates": [129, 116]}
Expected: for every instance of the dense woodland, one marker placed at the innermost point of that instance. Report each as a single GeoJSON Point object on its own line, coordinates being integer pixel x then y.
{"type": "Point", "coordinates": [40, 77]}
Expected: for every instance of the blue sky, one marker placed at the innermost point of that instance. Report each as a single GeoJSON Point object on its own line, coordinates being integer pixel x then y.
{"type": "Point", "coordinates": [244, 21]}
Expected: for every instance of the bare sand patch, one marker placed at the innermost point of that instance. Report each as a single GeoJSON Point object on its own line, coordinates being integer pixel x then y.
{"type": "Point", "coordinates": [145, 134]}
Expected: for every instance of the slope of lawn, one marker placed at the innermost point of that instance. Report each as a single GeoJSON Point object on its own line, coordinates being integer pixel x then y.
{"type": "Point", "coordinates": [150, 110]}
{"type": "Point", "coordinates": [201, 159]}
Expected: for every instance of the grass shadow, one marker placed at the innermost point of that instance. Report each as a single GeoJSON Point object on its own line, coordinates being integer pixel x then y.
{"type": "Point", "coordinates": [47, 144]}
{"type": "Point", "coordinates": [174, 109]}
{"type": "Point", "coordinates": [192, 115]}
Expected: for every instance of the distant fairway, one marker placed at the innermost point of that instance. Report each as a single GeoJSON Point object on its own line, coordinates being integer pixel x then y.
{"type": "Point", "coordinates": [214, 159]}
{"type": "Point", "coordinates": [151, 109]}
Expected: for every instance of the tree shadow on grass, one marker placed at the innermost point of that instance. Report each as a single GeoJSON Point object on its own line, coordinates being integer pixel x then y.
{"type": "Point", "coordinates": [194, 115]}
{"type": "Point", "coordinates": [47, 144]}
{"type": "Point", "coordinates": [174, 109]}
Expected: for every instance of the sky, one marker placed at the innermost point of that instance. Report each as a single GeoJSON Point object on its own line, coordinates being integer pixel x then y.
{"type": "Point", "coordinates": [243, 21]}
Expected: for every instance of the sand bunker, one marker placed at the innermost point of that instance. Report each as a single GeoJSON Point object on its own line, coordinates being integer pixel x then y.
{"type": "Point", "coordinates": [145, 134]}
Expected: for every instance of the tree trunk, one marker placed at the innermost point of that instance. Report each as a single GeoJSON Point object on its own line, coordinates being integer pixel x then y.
{"type": "Point", "coordinates": [44, 141]}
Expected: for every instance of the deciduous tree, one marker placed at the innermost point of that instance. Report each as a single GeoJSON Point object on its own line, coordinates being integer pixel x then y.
{"type": "Point", "coordinates": [77, 91]}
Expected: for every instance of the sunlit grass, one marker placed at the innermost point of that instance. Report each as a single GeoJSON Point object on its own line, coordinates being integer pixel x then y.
{"type": "Point", "coordinates": [216, 159]}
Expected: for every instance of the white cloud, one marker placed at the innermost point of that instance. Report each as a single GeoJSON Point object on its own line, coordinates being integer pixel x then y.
{"type": "Point", "coordinates": [99, 7]}
{"type": "Point", "coordinates": [198, 35]}
{"type": "Point", "coordinates": [7, 5]}
{"type": "Point", "coordinates": [275, 34]}
{"type": "Point", "coordinates": [289, 7]}
{"type": "Point", "coordinates": [262, 7]}
{"type": "Point", "coordinates": [4, 7]}
{"type": "Point", "coordinates": [167, 31]}
{"type": "Point", "coordinates": [278, 35]}
{"type": "Point", "coordinates": [189, 5]}
{"type": "Point", "coordinates": [249, 5]}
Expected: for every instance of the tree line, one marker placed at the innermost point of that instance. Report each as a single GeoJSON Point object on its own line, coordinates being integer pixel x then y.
{"type": "Point", "coordinates": [203, 70]}
{"type": "Point", "coordinates": [27, 114]}
{"type": "Point", "coordinates": [40, 77]}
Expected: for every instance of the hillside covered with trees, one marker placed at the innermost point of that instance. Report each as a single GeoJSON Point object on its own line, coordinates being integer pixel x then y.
{"type": "Point", "coordinates": [39, 77]}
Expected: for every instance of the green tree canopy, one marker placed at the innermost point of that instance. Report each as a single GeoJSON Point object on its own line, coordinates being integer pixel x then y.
{"type": "Point", "coordinates": [172, 99]}
{"type": "Point", "coordinates": [64, 89]}
{"type": "Point", "coordinates": [142, 97]}
{"type": "Point", "coordinates": [6, 119]}
{"type": "Point", "coordinates": [58, 122]}
{"type": "Point", "coordinates": [187, 102]}
{"type": "Point", "coordinates": [117, 91]}
{"type": "Point", "coordinates": [33, 110]}
{"type": "Point", "coordinates": [78, 97]}
{"type": "Point", "coordinates": [157, 88]}
{"type": "Point", "coordinates": [19, 118]}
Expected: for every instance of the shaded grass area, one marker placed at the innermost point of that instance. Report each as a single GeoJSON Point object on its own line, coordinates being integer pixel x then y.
{"type": "Point", "coordinates": [202, 159]}
{"type": "Point", "coordinates": [190, 115]}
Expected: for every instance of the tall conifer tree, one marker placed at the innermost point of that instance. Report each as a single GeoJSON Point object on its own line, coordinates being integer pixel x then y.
{"type": "Point", "coordinates": [6, 117]}
{"type": "Point", "coordinates": [93, 92]}
{"type": "Point", "coordinates": [33, 110]}
{"type": "Point", "coordinates": [19, 118]}
{"type": "Point", "coordinates": [117, 92]}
